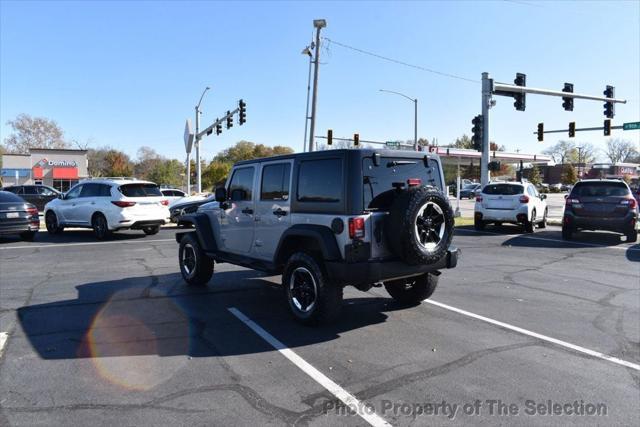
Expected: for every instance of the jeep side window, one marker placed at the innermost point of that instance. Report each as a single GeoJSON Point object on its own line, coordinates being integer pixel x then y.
{"type": "Point", "coordinates": [241, 184]}
{"type": "Point", "coordinates": [320, 180]}
{"type": "Point", "coordinates": [275, 182]}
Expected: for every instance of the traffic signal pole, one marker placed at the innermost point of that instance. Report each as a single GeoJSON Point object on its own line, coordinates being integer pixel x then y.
{"type": "Point", "coordinates": [486, 104]}
{"type": "Point", "coordinates": [518, 91]}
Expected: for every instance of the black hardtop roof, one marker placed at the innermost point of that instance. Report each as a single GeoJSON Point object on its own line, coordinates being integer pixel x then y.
{"type": "Point", "coordinates": [362, 152]}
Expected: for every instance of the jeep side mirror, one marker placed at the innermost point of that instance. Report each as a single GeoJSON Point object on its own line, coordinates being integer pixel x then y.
{"type": "Point", "coordinates": [221, 194]}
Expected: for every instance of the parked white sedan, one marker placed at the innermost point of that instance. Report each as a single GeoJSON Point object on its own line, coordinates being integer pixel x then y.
{"type": "Point", "coordinates": [511, 202]}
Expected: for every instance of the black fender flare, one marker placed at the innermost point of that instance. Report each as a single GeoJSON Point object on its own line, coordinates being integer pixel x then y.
{"type": "Point", "coordinates": [321, 234]}
{"type": "Point", "coordinates": [203, 230]}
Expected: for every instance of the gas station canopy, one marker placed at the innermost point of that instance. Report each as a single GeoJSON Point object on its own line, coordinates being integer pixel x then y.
{"type": "Point", "coordinates": [451, 154]}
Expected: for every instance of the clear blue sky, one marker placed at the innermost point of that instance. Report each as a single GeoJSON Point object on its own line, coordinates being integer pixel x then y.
{"type": "Point", "coordinates": [128, 74]}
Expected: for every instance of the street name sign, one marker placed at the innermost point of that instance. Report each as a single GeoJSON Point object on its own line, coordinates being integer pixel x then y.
{"type": "Point", "coordinates": [631, 126]}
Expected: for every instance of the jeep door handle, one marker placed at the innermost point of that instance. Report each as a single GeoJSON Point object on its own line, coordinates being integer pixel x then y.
{"type": "Point", "coordinates": [279, 212]}
{"type": "Point", "coordinates": [247, 211]}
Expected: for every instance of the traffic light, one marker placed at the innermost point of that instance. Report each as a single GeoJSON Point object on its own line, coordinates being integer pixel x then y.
{"type": "Point", "coordinates": [229, 120]}
{"type": "Point", "coordinates": [609, 107]}
{"type": "Point", "coordinates": [356, 139]}
{"type": "Point", "coordinates": [540, 132]}
{"type": "Point", "coordinates": [329, 136]}
{"type": "Point", "coordinates": [242, 114]}
{"type": "Point", "coordinates": [572, 129]}
{"type": "Point", "coordinates": [218, 128]}
{"type": "Point", "coordinates": [607, 127]}
{"type": "Point", "coordinates": [476, 131]}
{"type": "Point", "coordinates": [567, 103]}
{"type": "Point", "coordinates": [521, 98]}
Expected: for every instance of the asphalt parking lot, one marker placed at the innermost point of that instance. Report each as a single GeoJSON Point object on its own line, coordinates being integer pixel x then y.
{"type": "Point", "coordinates": [106, 333]}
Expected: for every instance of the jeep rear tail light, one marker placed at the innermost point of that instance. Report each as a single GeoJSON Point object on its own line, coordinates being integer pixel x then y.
{"type": "Point", "coordinates": [524, 199]}
{"type": "Point", "coordinates": [122, 204]}
{"type": "Point", "coordinates": [164, 202]}
{"type": "Point", "coordinates": [356, 228]}
{"type": "Point", "coordinates": [413, 182]}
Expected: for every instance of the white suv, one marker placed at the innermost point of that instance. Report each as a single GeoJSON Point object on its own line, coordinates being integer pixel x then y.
{"type": "Point", "coordinates": [511, 202]}
{"type": "Point", "coordinates": [108, 205]}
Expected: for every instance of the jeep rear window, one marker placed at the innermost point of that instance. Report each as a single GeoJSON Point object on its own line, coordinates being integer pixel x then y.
{"type": "Point", "coordinates": [600, 189]}
{"type": "Point", "coordinates": [140, 190]}
{"type": "Point", "coordinates": [503, 189]}
{"type": "Point", "coordinates": [378, 180]}
{"type": "Point", "coordinates": [320, 181]}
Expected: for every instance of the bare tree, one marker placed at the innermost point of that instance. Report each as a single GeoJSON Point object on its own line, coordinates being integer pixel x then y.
{"type": "Point", "coordinates": [620, 150]}
{"type": "Point", "coordinates": [561, 152]}
{"type": "Point", "coordinates": [34, 132]}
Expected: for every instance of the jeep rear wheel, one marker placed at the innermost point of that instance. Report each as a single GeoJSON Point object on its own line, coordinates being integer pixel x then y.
{"type": "Point", "coordinates": [311, 298]}
{"type": "Point", "coordinates": [195, 266]}
{"type": "Point", "coordinates": [412, 290]}
{"type": "Point", "coordinates": [420, 225]}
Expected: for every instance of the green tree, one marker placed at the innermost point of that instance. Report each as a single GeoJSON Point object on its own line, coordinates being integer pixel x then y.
{"type": "Point", "coordinates": [34, 132]}
{"type": "Point", "coordinates": [463, 142]}
{"type": "Point", "coordinates": [215, 174]}
{"type": "Point", "coordinates": [569, 175]}
{"type": "Point", "coordinates": [167, 172]}
{"type": "Point", "coordinates": [245, 150]}
{"type": "Point", "coordinates": [534, 175]}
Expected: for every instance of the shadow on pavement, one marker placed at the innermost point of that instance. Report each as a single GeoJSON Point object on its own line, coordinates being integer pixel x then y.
{"type": "Point", "coordinates": [159, 315]}
{"type": "Point", "coordinates": [554, 239]}
{"type": "Point", "coordinates": [76, 236]}
{"type": "Point", "coordinates": [633, 253]}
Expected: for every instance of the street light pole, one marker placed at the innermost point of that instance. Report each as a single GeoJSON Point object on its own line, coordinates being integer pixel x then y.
{"type": "Point", "coordinates": [318, 24]}
{"type": "Point", "coordinates": [415, 116]}
{"type": "Point", "coordinates": [198, 166]}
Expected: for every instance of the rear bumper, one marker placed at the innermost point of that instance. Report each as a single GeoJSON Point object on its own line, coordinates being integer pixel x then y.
{"type": "Point", "coordinates": [372, 272]}
{"type": "Point", "coordinates": [16, 228]}
{"type": "Point", "coordinates": [502, 215]}
{"type": "Point", "coordinates": [620, 224]}
{"type": "Point", "coordinates": [137, 225]}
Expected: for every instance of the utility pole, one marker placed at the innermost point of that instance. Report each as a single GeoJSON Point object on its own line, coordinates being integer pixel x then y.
{"type": "Point", "coordinates": [318, 24]}
{"type": "Point", "coordinates": [580, 161]}
{"type": "Point", "coordinates": [486, 104]}
{"type": "Point", "coordinates": [198, 171]}
{"type": "Point", "coordinates": [307, 51]}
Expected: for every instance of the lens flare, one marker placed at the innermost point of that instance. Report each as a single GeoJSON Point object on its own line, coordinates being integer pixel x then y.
{"type": "Point", "coordinates": [131, 338]}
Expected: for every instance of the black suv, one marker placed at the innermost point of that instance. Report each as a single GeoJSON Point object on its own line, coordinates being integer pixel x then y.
{"type": "Point", "coordinates": [325, 220]}
{"type": "Point", "coordinates": [600, 204]}
{"type": "Point", "coordinates": [38, 195]}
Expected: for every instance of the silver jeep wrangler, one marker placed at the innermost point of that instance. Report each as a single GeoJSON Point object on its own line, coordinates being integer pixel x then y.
{"type": "Point", "coordinates": [326, 220]}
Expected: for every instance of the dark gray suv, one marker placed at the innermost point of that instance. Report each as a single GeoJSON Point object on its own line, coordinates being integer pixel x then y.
{"type": "Point", "coordinates": [326, 220]}
{"type": "Point", "coordinates": [601, 204]}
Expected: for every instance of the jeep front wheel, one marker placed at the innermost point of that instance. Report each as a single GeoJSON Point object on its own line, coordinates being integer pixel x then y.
{"type": "Point", "coordinates": [412, 290]}
{"type": "Point", "coordinates": [195, 266]}
{"type": "Point", "coordinates": [311, 298]}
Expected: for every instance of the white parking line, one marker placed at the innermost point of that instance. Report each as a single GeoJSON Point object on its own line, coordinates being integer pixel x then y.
{"type": "Point", "coordinates": [58, 245]}
{"type": "Point", "coordinates": [3, 341]}
{"type": "Point", "coordinates": [561, 343]}
{"type": "Point", "coordinates": [346, 397]}
{"type": "Point", "coordinates": [571, 242]}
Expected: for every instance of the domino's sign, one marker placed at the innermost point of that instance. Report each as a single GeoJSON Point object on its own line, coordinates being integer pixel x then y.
{"type": "Point", "coordinates": [58, 163]}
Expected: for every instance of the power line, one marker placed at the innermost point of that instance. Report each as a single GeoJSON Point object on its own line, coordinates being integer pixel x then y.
{"type": "Point", "coordinates": [406, 64]}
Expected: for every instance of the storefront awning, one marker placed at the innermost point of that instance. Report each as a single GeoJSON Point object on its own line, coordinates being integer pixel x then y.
{"type": "Point", "coordinates": [37, 172]}
{"type": "Point", "coordinates": [65, 173]}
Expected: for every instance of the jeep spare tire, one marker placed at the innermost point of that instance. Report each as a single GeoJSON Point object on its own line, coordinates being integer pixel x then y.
{"type": "Point", "coordinates": [419, 227]}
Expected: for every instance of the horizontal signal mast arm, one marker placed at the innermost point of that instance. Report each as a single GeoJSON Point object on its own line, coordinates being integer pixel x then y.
{"type": "Point", "coordinates": [503, 87]}
{"type": "Point", "coordinates": [217, 122]}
